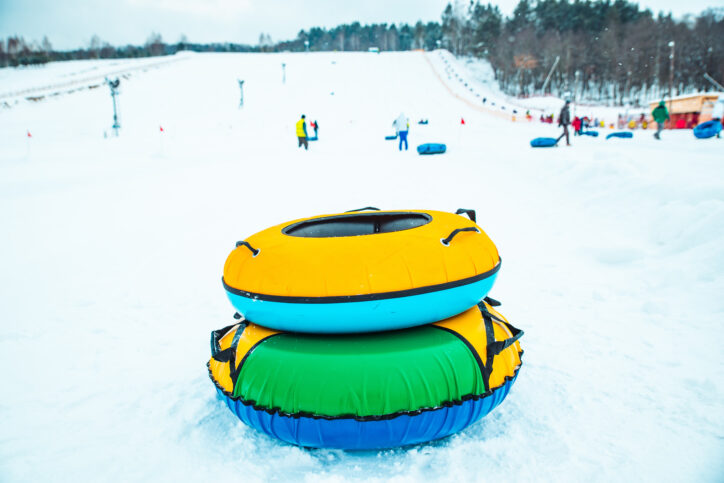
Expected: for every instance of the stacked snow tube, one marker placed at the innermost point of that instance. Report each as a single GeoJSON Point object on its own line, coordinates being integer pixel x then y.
{"type": "Point", "coordinates": [316, 359]}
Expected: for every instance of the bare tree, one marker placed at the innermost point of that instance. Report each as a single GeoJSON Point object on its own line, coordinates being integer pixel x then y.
{"type": "Point", "coordinates": [94, 46]}
{"type": "Point", "coordinates": [154, 44]}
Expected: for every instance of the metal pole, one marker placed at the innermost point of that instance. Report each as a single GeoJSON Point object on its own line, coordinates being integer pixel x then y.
{"type": "Point", "coordinates": [711, 79]}
{"type": "Point", "coordinates": [113, 85]}
{"type": "Point", "coordinates": [671, 81]}
{"type": "Point", "coordinates": [658, 71]}
{"type": "Point", "coordinates": [241, 88]}
{"type": "Point", "coordinates": [575, 88]}
{"type": "Point", "coordinates": [116, 125]}
{"type": "Point", "coordinates": [543, 89]}
{"type": "Point", "coordinates": [284, 73]}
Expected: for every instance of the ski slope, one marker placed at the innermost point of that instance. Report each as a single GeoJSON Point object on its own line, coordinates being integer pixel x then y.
{"type": "Point", "coordinates": [113, 248]}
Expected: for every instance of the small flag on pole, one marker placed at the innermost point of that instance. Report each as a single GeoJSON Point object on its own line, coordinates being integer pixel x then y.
{"type": "Point", "coordinates": [462, 120]}
{"type": "Point", "coordinates": [29, 135]}
{"type": "Point", "coordinates": [160, 128]}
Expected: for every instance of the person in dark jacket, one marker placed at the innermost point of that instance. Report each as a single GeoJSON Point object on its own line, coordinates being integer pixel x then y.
{"type": "Point", "coordinates": [564, 119]}
{"type": "Point", "coordinates": [661, 115]}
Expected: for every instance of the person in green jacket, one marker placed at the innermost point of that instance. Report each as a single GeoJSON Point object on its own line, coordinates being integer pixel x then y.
{"type": "Point", "coordinates": [661, 115]}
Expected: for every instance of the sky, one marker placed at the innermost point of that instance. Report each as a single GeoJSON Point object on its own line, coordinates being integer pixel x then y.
{"type": "Point", "coordinates": [71, 23]}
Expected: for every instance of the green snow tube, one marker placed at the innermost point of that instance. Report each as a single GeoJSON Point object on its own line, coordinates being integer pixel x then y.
{"type": "Point", "coordinates": [367, 391]}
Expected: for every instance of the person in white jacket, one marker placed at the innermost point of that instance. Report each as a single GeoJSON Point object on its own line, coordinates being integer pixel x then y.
{"type": "Point", "coordinates": [402, 126]}
{"type": "Point", "coordinates": [718, 112]}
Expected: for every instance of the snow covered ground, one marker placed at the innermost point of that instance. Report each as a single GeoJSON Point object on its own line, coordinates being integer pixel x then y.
{"type": "Point", "coordinates": [113, 248]}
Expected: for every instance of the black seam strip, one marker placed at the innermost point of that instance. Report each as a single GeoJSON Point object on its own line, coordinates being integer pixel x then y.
{"type": "Point", "coordinates": [216, 336]}
{"type": "Point", "coordinates": [223, 356]}
{"type": "Point", "coordinates": [235, 373]}
{"type": "Point", "coordinates": [490, 356]}
{"type": "Point", "coordinates": [362, 297]}
{"type": "Point", "coordinates": [472, 349]}
{"type": "Point", "coordinates": [304, 414]}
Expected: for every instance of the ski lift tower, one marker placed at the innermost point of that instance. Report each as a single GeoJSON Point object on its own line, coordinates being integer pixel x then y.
{"type": "Point", "coordinates": [241, 88]}
{"type": "Point", "coordinates": [113, 85]}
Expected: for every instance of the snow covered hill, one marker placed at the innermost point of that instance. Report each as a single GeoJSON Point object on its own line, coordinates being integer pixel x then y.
{"type": "Point", "coordinates": [113, 249]}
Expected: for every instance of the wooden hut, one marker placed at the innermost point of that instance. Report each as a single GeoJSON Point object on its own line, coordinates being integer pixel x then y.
{"type": "Point", "coordinates": [687, 111]}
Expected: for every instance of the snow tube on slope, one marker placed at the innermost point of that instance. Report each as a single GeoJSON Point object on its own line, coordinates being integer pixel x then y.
{"type": "Point", "coordinates": [621, 134]}
{"type": "Point", "coordinates": [431, 148]}
{"type": "Point", "coordinates": [361, 271]}
{"type": "Point", "coordinates": [590, 133]}
{"type": "Point", "coordinates": [367, 391]}
{"type": "Point", "coordinates": [543, 142]}
{"type": "Point", "coordinates": [707, 129]}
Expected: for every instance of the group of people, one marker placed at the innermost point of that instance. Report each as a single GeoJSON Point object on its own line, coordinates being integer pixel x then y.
{"type": "Point", "coordinates": [302, 131]}
{"type": "Point", "coordinates": [660, 115]}
{"type": "Point", "coordinates": [578, 123]}
{"type": "Point", "coordinates": [401, 125]}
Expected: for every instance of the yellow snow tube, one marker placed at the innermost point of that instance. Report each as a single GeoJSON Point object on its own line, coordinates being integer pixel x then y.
{"type": "Point", "coordinates": [360, 253]}
{"type": "Point", "coordinates": [362, 271]}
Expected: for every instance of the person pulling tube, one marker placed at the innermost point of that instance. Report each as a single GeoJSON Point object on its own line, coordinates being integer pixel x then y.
{"type": "Point", "coordinates": [564, 119]}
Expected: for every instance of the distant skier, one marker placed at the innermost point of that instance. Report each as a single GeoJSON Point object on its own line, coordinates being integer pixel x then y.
{"type": "Point", "coordinates": [315, 126]}
{"type": "Point", "coordinates": [302, 132]}
{"type": "Point", "coordinates": [402, 126]}
{"type": "Point", "coordinates": [661, 115]}
{"type": "Point", "coordinates": [564, 119]}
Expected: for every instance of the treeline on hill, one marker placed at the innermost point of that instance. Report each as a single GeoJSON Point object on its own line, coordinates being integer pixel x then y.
{"type": "Point", "coordinates": [16, 51]}
{"type": "Point", "coordinates": [607, 50]}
